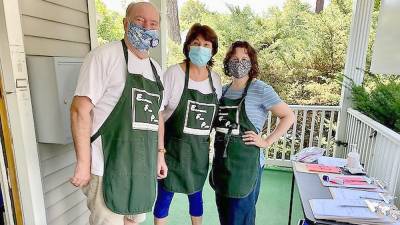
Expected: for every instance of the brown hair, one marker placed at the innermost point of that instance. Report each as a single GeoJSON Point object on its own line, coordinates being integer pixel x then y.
{"type": "Point", "coordinates": [250, 51]}
{"type": "Point", "coordinates": [207, 33]}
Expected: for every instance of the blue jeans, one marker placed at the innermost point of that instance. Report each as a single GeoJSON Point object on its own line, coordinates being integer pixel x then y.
{"type": "Point", "coordinates": [239, 211]}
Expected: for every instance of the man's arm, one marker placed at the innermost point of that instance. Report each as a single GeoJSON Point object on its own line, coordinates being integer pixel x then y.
{"type": "Point", "coordinates": [81, 123]}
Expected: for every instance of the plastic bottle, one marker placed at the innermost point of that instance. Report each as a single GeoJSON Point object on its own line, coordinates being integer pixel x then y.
{"type": "Point", "coordinates": [353, 158]}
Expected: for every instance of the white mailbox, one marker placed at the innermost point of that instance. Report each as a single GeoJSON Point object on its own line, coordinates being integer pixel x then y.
{"type": "Point", "coordinates": [52, 83]}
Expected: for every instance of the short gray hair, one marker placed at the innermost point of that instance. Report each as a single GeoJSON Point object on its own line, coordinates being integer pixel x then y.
{"type": "Point", "coordinates": [129, 7]}
{"type": "Point", "coordinates": [133, 3]}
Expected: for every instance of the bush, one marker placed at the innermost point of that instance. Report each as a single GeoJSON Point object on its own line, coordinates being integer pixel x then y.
{"type": "Point", "coordinates": [381, 102]}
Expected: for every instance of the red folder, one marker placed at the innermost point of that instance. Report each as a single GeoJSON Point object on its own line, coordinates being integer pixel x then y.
{"type": "Point", "coordinates": [323, 169]}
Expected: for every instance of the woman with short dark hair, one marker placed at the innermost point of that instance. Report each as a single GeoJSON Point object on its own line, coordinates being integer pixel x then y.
{"type": "Point", "coordinates": [238, 160]}
{"type": "Point", "coordinates": [189, 106]}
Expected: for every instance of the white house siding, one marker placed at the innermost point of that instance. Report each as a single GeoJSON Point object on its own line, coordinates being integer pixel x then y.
{"type": "Point", "coordinates": [58, 28]}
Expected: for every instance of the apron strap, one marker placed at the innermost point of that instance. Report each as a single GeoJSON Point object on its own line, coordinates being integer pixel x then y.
{"type": "Point", "coordinates": [95, 136]}
{"type": "Point", "coordinates": [244, 91]}
{"type": "Point", "coordinates": [156, 77]}
{"type": "Point", "coordinates": [125, 48]}
{"type": "Point", "coordinates": [211, 82]}
{"type": "Point", "coordinates": [187, 75]}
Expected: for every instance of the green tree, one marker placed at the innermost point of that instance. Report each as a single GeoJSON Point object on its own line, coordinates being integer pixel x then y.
{"type": "Point", "coordinates": [109, 24]}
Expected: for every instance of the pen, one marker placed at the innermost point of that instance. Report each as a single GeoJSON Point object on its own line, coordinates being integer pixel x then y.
{"type": "Point", "coordinates": [371, 198]}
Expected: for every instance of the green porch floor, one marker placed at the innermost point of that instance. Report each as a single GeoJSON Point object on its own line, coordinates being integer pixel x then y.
{"type": "Point", "coordinates": [272, 206]}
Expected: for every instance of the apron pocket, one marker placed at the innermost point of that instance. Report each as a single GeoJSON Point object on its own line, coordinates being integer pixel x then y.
{"type": "Point", "coordinates": [129, 195]}
{"type": "Point", "coordinates": [126, 157]}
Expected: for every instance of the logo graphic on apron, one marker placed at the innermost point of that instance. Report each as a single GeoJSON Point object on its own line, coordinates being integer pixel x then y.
{"type": "Point", "coordinates": [224, 123]}
{"type": "Point", "coordinates": [199, 117]}
{"type": "Point", "coordinates": [145, 110]}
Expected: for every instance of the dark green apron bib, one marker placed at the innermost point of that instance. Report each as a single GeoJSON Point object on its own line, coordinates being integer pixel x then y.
{"type": "Point", "coordinates": [187, 139]}
{"type": "Point", "coordinates": [236, 165]}
{"type": "Point", "coordinates": [129, 142]}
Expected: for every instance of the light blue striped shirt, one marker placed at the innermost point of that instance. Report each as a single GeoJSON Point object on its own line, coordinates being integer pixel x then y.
{"type": "Point", "coordinates": [259, 100]}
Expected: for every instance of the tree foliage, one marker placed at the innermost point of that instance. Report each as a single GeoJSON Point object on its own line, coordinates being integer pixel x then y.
{"type": "Point", "coordinates": [379, 100]}
{"type": "Point", "coordinates": [109, 24]}
{"type": "Point", "coordinates": [301, 53]}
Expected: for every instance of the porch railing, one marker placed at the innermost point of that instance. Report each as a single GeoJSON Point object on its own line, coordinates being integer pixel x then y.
{"type": "Point", "coordinates": [378, 146]}
{"type": "Point", "coordinates": [314, 126]}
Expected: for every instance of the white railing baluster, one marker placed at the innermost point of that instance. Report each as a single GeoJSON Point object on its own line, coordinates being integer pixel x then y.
{"type": "Point", "coordinates": [299, 129]}
{"type": "Point", "coordinates": [368, 148]}
{"type": "Point", "coordinates": [303, 129]}
{"type": "Point", "coordinates": [386, 158]}
{"type": "Point", "coordinates": [296, 112]}
{"type": "Point", "coordinates": [321, 128]}
{"type": "Point", "coordinates": [371, 154]}
{"type": "Point", "coordinates": [348, 135]}
{"type": "Point", "coordinates": [363, 151]}
{"type": "Point", "coordinates": [379, 148]}
{"type": "Point", "coordinates": [330, 130]}
{"type": "Point", "coordinates": [311, 139]}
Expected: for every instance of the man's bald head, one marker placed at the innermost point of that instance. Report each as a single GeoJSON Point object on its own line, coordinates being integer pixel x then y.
{"type": "Point", "coordinates": [140, 6]}
{"type": "Point", "coordinates": [144, 14]}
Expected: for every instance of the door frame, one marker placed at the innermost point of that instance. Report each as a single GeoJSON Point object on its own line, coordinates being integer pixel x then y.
{"type": "Point", "coordinates": [19, 114]}
{"type": "Point", "coordinates": [8, 179]}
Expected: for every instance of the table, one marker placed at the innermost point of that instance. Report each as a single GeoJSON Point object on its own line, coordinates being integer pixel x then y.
{"type": "Point", "coordinates": [310, 187]}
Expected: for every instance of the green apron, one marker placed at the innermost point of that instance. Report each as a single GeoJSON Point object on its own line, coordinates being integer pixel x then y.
{"type": "Point", "coordinates": [187, 139]}
{"type": "Point", "coordinates": [129, 142]}
{"type": "Point", "coordinates": [236, 165]}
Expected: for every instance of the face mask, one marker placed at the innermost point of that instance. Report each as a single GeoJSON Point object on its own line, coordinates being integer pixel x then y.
{"type": "Point", "coordinates": [141, 38]}
{"type": "Point", "coordinates": [199, 55]}
{"type": "Point", "coordinates": [239, 69]}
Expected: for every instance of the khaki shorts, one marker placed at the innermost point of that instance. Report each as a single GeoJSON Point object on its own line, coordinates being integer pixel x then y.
{"type": "Point", "coordinates": [99, 213]}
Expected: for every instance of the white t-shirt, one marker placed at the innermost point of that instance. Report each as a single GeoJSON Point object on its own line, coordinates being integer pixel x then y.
{"type": "Point", "coordinates": [102, 79]}
{"type": "Point", "coordinates": [174, 82]}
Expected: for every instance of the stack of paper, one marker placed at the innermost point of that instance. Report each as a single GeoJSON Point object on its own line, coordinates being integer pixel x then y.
{"type": "Point", "coordinates": [349, 211]}
{"type": "Point", "coordinates": [345, 193]}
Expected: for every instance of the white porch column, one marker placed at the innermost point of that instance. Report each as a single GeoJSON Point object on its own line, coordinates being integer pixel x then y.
{"type": "Point", "coordinates": [356, 58]}
{"type": "Point", "coordinates": [160, 53]}
{"type": "Point", "coordinates": [19, 110]}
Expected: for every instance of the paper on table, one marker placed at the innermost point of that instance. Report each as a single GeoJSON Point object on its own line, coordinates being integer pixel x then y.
{"type": "Point", "coordinates": [302, 168]}
{"type": "Point", "coordinates": [349, 182]}
{"type": "Point", "coordinates": [323, 169]}
{"type": "Point", "coordinates": [353, 211]}
{"type": "Point", "coordinates": [331, 161]}
{"type": "Point", "coordinates": [345, 193]}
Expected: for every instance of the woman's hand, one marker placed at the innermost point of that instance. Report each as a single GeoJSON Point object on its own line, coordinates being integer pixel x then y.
{"type": "Point", "coordinates": [251, 138]}
{"type": "Point", "coordinates": [162, 169]}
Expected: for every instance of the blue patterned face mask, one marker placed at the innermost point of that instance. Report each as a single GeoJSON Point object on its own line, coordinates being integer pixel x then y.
{"type": "Point", "coordinates": [199, 55]}
{"type": "Point", "coordinates": [141, 38]}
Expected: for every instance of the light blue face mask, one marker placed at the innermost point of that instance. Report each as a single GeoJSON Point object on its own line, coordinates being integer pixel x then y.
{"type": "Point", "coordinates": [199, 55]}
{"type": "Point", "coordinates": [141, 38]}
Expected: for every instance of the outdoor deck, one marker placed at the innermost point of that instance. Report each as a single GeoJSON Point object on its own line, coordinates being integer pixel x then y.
{"type": "Point", "coordinates": [272, 206]}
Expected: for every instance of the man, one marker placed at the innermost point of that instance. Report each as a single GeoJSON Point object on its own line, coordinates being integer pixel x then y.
{"type": "Point", "coordinates": [114, 117]}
